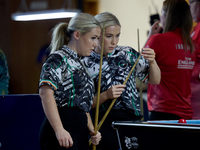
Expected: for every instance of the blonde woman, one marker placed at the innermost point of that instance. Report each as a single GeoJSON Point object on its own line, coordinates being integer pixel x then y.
{"type": "Point", "coordinates": [117, 63]}
{"type": "Point", "coordinates": [65, 87]}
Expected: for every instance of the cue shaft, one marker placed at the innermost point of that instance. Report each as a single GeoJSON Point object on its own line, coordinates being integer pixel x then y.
{"type": "Point", "coordinates": [109, 108]}
{"type": "Point", "coordinates": [140, 83]}
{"type": "Point", "coordinates": [99, 87]}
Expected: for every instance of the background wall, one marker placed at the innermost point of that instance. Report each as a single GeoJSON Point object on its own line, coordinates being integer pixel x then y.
{"type": "Point", "coordinates": [133, 15]}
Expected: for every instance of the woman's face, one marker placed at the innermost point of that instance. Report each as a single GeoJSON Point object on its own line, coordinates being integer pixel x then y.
{"type": "Point", "coordinates": [195, 10]}
{"type": "Point", "coordinates": [163, 18]}
{"type": "Point", "coordinates": [88, 42]}
{"type": "Point", "coordinates": [111, 39]}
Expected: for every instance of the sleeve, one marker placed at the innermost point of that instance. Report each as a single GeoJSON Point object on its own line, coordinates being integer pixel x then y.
{"type": "Point", "coordinates": [142, 67]}
{"type": "Point", "coordinates": [51, 73]}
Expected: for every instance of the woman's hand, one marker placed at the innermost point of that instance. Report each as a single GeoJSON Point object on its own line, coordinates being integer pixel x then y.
{"type": "Point", "coordinates": [95, 138]}
{"type": "Point", "coordinates": [112, 93]}
{"type": "Point", "coordinates": [148, 54]}
{"type": "Point", "coordinates": [155, 28]}
{"type": "Point", "coordinates": [154, 74]}
{"type": "Point", "coordinates": [115, 91]}
{"type": "Point", "coordinates": [64, 138]}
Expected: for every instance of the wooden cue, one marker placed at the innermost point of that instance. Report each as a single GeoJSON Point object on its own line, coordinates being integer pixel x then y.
{"type": "Point", "coordinates": [99, 87]}
{"type": "Point", "coordinates": [109, 108]}
{"type": "Point", "coordinates": [141, 98]}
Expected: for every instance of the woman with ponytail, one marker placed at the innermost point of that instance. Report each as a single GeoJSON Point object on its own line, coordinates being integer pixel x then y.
{"type": "Point", "coordinates": [65, 87]}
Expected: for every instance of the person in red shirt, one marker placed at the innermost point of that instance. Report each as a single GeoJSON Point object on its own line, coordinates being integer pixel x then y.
{"type": "Point", "coordinates": [195, 80]}
{"type": "Point", "coordinates": [175, 55]}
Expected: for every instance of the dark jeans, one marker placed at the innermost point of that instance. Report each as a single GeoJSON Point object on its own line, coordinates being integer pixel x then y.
{"type": "Point", "coordinates": [163, 116]}
{"type": "Point", "coordinates": [75, 122]}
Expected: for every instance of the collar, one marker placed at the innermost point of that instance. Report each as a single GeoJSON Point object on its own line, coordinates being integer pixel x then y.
{"type": "Point", "coordinates": [70, 51]}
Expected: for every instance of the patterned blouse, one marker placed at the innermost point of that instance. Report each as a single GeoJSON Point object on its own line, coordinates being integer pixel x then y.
{"type": "Point", "coordinates": [115, 69]}
{"type": "Point", "coordinates": [66, 75]}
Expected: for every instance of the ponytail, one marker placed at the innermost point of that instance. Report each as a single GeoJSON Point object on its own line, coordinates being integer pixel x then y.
{"type": "Point", "coordinates": [63, 32]}
{"type": "Point", "coordinates": [59, 37]}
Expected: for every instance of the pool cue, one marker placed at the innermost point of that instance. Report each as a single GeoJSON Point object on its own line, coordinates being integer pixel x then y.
{"type": "Point", "coordinates": [99, 87]}
{"type": "Point", "coordinates": [141, 98]}
{"type": "Point", "coordinates": [109, 108]}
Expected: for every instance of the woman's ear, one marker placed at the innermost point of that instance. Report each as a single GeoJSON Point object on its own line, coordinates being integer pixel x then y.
{"type": "Point", "coordinates": [76, 35]}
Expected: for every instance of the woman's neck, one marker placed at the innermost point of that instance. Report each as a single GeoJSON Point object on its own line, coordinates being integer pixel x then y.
{"type": "Point", "coordinates": [98, 51]}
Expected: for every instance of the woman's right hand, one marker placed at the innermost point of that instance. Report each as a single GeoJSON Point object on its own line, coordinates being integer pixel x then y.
{"type": "Point", "coordinates": [155, 28]}
{"type": "Point", "coordinates": [115, 91]}
{"type": "Point", "coordinates": [64, 138]}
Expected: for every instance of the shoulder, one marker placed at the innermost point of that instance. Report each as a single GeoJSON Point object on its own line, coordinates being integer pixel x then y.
{"type": "Point", "coordinates": [56, 56]}
{"type": "Point", "coordinates": [92, 59]}
{"type": "Point", "coordinates": [160, 38]}
{"type": "Point", "coordinates": [125, 49]}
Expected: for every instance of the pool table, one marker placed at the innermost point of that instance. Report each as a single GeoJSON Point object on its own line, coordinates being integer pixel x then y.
{"type": "Point", "coordinates": [158, 135]}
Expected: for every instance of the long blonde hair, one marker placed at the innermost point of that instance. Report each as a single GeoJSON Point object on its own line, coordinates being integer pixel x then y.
{"type": "Point", "coordinates": [62, 32]}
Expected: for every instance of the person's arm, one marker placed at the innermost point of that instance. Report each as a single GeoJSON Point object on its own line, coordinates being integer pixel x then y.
{"type": "Point", "coordinates": [155, 28]}
{"type": "Point", "coordinates": [94, 138]}
{"type": "Point", "coordinates": [155, 74]}
{"type": "Point", "coordinates": [51, 112]}
{"type": "Point", "coordinates": [112, 93]}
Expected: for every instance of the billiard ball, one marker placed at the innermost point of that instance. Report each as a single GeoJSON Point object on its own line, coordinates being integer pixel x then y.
{"type": "Point", "coordinates": [182, 121]}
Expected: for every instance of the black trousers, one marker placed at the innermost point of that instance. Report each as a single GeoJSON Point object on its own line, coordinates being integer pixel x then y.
{"type": "Point", "coordinates": [75, 122]}
{"type": "Point", "coordinates": [163, 116]}
{"type": "Point", "coordinates": [109, 139]}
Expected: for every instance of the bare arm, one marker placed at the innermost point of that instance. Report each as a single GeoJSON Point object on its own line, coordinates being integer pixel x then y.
{"type": "Point", "coordinates": [155, 74]}
{"type": "Point", "coordinates": [113, 92]}
{"type": "Point", "coordinates": [155, 28]}
{"type": "Point", "coordinates": [51, 111]}
{"type": "Point", "coordinates": [94, 138]}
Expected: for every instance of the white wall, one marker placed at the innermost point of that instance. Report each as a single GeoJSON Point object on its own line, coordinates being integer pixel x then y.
{"type": "Point", "coordinates": [133, 15]}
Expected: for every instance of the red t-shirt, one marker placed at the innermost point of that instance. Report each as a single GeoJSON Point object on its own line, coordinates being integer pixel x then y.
{"type": "Point", "coordinates": [173, 93]}
{"type": "Point", "coordinates": [195, 80]}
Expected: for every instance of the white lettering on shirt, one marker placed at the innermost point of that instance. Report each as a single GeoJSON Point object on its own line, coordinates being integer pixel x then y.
{"type": "Point", "coordinates": [186, 64]}
{"type": "Point", "coordinates": [181, 47]}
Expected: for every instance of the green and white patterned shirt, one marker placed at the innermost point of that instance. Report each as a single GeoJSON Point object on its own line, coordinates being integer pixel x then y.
{"type": "Point", "coordinates": [66, 75]}
{"type": "Point", "coordinates": [115, 69]}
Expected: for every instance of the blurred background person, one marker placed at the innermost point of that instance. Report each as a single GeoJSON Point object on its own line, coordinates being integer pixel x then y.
{"type": "Point", "coordinates": [4, 74]}
{"type": "Point", "coordinates": [175, 55]}
{"type": "Point", "coordinates": [195, 80]}
{"type": "Point", "coordinates": [45, 49]}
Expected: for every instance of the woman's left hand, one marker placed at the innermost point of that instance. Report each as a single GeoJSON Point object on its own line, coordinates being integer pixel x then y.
{"type": "Point", "coordinates": [148, 54]}
{"type": "Point", "coordinates": [95, 138]}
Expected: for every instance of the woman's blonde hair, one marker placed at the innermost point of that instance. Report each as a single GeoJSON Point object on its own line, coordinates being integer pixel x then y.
{"type": "Point", "coordinates": [108, 18]}
{"type": "Point", "coordinates": [62, 32]}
